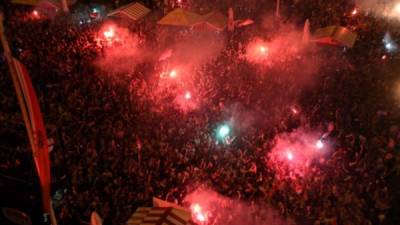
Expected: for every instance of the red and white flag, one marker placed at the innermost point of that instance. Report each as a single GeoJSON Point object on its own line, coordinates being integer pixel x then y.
{"type": "Point", "coordinates": [35, 126]}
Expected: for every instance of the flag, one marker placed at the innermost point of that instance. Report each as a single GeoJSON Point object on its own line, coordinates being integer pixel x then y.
{"type": "Point", "coordinates": [231, 19]}
{"type": "Point", "coordinates": [243, 23]}
{"type": "Point", "coordinates": [306, 31]}
{"type": "Point", "coordinates": [95, 219]}
{"type": "Point", "coordinates": [277, 12]}
{"type": "Point", "coordinates": [35, 126]}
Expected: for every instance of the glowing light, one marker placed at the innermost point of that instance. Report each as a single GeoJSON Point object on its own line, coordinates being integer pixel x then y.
{"type": "Point", "coordinates": [263, 49]}
{"type": "Point", "coordinates": [198, 214]}
{"type": "Point", "coordinates": [200, 217]}
{"type": "Point", "coordinates": [319, 144]}
{"type": "Point", "coordinates": [289, 155]}
{"type": "Point", "coordinates": [295, 111]}
{"type": "Point", "coordinates": [172, 74]}
{"type": "Point", "coordinates": [384, 57]}
{"type": "Point", "coordinates": [258, 51]}
{"type": "Point", "coordinates": [110, 33]}
{"type": "Point", "coordinates": [389, 44]}
{"type": "Point", "coordinates": [35, 14]}
{"type": "Point", "coordinates": [223, 131]}
{"type": "Point", "coordinates": [188, 95]}
{"type": "Point", "coordinates": [396, 8]}
{"type": "Point", "coordinates": [354, 12]}
{"type": "Point", "coordinates": [196, 208]}
{"type": "Point", "coordinates": [179, 1]}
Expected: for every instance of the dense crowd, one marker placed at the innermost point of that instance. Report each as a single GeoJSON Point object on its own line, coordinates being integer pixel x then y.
{"type": "Point", "coordinates": [116, 145]}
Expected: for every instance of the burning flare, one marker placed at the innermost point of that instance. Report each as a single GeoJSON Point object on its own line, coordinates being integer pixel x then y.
{"type": "Point", "coordinates": [109, 34]}
{"type": "Point", "coordinates": [198, 213]}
